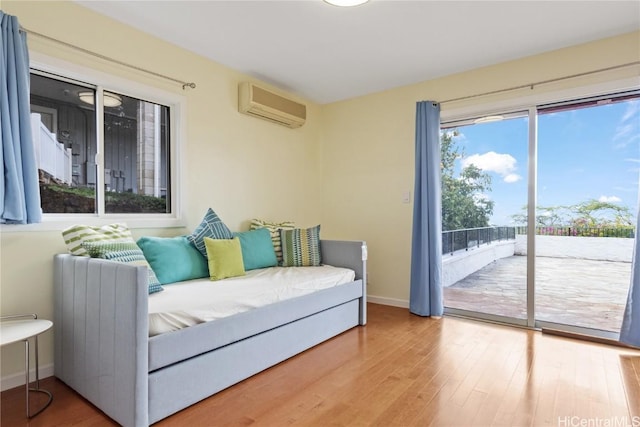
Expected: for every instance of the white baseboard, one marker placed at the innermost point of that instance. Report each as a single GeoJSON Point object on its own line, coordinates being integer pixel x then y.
{"type": "Point", "coordinates": [16, 380]}
{"type": "Point", "coordinates": [388, 301]}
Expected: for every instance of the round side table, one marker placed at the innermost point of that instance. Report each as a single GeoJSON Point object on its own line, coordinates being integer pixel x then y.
{"type": "Point", "coordinates": [22, 328]}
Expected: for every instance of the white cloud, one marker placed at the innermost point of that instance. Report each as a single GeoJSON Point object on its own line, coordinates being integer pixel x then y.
{"type": "Point", "coordinates": [627, 129]}
{"type": "Point", "coordinates": [502, 164]}
{"type": "Point", "coordinates": [609, 199]}
{"type": "Point", "coordinates": [512, 177]}
{"type": "Point", "coordinates": [632, 109]}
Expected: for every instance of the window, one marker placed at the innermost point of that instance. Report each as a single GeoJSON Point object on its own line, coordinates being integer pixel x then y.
{"type": "Point", "coordinates": [111, 152]}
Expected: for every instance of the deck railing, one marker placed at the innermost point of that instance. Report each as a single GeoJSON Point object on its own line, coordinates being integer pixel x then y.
{"type": "Point", "coordinates": [455, 240]}
{"type": "Point", "coordinates": [624, 232]}
{"type": "Point", "coordinates": [51, 155]}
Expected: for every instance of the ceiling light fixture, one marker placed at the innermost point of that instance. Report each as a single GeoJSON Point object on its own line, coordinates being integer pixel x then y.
{"type": "Point", "coordinates": [109, 99]}
{"type": "Point", "coordinates": [488, 119]}
{"type": "Point", "coordinates": [346, 3]}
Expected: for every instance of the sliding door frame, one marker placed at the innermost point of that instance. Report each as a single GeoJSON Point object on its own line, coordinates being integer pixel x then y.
{"type": "Point", "coordinates": [532, 198]}
{"type": "Point", "coordinates": [532, 104]}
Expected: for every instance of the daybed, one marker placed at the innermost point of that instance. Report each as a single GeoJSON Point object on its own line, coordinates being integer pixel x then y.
{"type": "Point", "coordinates": [104, 352]}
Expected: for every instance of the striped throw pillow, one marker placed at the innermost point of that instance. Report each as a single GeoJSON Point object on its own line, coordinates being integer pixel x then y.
{"type": "Point", "coordinates": [126, 253]}
{"type": "Point", "coordinates": [211, 227]}
{"type": "Point", "coordinates": [75, 235]}
{"type": "Point", "coordinates": [301, 247]}
{"type": "Point", "coordinates": [274, 228]}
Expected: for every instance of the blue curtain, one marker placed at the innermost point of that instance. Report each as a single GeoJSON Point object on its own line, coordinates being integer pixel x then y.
{"type": "Point", "coordinates": [19, 186]}
{"type": "Point", "coordinates": [426, 247]}
{"type": "Point", "coordinates": [630, 330]}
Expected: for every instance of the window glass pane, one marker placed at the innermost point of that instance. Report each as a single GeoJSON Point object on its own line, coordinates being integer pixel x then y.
{"type": "Point", "coordinates": [63, 127]}
{"type": "Point", "coordinates": [136, 147]}
{"type": "Point", "coordinates": [586, 213]}
{"type": "Point", "coordinates": [484, 189]}
{"type": "Point", "coordinates": [136, 155]}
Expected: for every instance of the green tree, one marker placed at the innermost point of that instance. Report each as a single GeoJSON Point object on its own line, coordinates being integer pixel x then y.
{"type": "Point", "coordinates": [594, 213]}
{"type": "Point", "coordinates": [588, 214]}
{"type": "Point", "coordinates": [554, 216]}
{"type": "Point", "coordinates": [463, 201]}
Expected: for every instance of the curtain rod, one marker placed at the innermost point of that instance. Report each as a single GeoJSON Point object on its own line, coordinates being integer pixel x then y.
{"type": "Point", "coordinates": [532, 85]}
{"type": "Point", "coordinates": [184, 84]}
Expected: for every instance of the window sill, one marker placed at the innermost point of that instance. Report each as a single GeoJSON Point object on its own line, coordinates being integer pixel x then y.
{"type": "Point", "coordinates": [59, 223]}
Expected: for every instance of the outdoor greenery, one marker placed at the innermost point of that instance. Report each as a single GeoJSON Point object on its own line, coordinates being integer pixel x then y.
{"type": "Point", "coordinates": [591, 218]}
{"type": "Point", "coordinates": [59, 198]}
{"type": "Point", "coordinates": [588, 214]}
{"type": "Point", "coordinates": [463, 204]}
{"type": "Point", "coordinates": [134, 203]}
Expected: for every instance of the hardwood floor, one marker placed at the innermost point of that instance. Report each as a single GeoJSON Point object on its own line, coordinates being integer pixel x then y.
{"type": "Point", "coordinates": [404, 370]}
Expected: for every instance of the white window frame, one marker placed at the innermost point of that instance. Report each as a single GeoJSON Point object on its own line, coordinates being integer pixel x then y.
{"type": "Point", "coordinates": [103, 81]}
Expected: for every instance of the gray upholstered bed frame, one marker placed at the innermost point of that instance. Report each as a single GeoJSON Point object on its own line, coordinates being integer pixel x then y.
{"type": "Point", "coordinates": [103, 349]}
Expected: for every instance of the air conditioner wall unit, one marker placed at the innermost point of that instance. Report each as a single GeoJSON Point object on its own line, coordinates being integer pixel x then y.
{"type": "Point", "coordinates": [262, 103]}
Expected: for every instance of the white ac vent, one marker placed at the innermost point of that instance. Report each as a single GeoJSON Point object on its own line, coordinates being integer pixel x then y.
{"type": "Point", "coordinates": [258, 102]}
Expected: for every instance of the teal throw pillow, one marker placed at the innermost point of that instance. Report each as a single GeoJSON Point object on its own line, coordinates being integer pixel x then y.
{"type": "Point", "coordinates": [126, 253]}
{"type": "Point", "coordinates": [211, 227]}
{"type": "Point", "coordinates": [257, 249]}
{"type": "Point", "coordinates": [173, 259]}
{"type": "Point", "coordinates": [274, 228]}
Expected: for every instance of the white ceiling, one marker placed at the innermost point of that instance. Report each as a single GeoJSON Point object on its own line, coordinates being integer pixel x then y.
{"type": "Point", "coordinates": [326, 53]}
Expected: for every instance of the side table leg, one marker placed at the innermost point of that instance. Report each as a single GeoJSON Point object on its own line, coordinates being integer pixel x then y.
{"type": "Point", "coordinates": [26, 368]}
{"type": "Point", "coordinates": [37, 365]}
{"type": "Point", "coordinates": [37, 384]}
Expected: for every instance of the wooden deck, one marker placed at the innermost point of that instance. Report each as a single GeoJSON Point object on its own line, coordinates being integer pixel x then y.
{"type": "Point", "coordinates": [570, 291]}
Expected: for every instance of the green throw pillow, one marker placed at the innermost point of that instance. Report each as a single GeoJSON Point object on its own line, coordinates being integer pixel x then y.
{"type": "Point", "coordinates": [301, 247]}
{"type": "Point", "coordinates": [225, 258]}
{"type": "Point", "coordinates": [173, 259]}
{"type": "Point", "coordinates": [257, 249]}
{"type": "Point", "coordinates": [75, 235]}
{"type": "Point", "coordinates": [126, 253]}
{"type": "Point", "coordinates": [212, 227]}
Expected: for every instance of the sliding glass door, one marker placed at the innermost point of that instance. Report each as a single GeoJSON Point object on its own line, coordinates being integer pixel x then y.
{"type": "Point", "coordinates": [484, 178]}
{"type": "Point", "coordinates": [553, 194]}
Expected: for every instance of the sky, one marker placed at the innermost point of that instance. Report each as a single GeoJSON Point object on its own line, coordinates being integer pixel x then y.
{"type": "Point", "coordinates": [583, 154]}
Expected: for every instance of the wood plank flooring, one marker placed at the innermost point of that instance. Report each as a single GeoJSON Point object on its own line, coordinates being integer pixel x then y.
{"type": "Point", "coordinates": [404, 370]}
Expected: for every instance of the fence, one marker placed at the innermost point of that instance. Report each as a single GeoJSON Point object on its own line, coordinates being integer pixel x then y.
{"type": "Point", "coordinates": [455, 240]}
{"type": "Point", "coordinates": [51, 155]}
{"type": "Point", "coordinates": [625, 232]}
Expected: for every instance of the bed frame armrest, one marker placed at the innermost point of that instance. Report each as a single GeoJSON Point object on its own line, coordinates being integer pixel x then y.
{"type": "Point", "coordinates": [101, 334]}
{"type": "Point", "coordinates": [349, 254]}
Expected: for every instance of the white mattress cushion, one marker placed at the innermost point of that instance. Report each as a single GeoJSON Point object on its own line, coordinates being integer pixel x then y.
{"type": "Point", "coordinates": [192, 302]}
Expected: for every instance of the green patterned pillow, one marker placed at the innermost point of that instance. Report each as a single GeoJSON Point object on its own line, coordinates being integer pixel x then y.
{"type": "Point", "coordinates": [75, 235]}
{"type": "Point", "coordinates": [301, 247]}
{"type": "Point", "coordinates": [274, 228]}
{"type": "Point", "coordinates": [126, 253]}
{"type": "Point", "coordinates": [211, 227]}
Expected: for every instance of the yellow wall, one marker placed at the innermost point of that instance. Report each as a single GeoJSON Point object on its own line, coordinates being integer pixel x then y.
{"type": "Point", "coordinates": [368, 148]}
{"type": "Point", "coordinates": [346, 168]}
{"type": "Point", "coordinates": [240, 166]}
